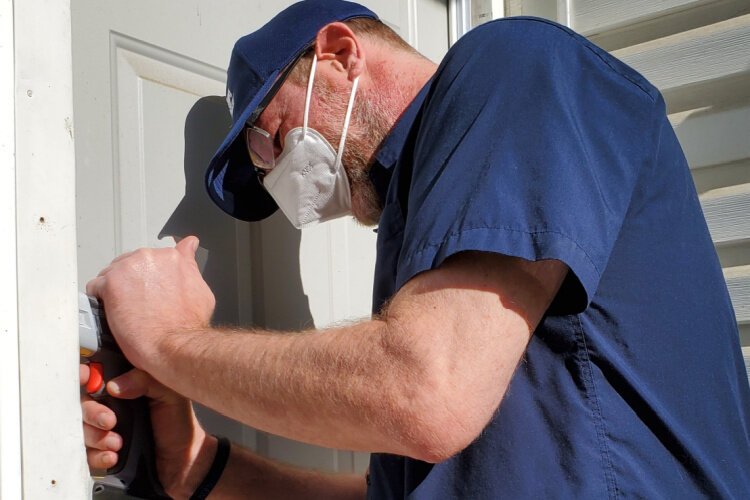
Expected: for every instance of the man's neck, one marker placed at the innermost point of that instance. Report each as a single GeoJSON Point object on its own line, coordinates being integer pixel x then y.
{"type": "Point", "coordinates": [415, 73]}
{"type": "Point", "coordinates": [399, 76]}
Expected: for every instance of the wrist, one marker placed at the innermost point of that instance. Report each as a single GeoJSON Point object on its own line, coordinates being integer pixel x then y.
{"type": "Point", "coordinates": [215, 472]}
{"type": "Point", "coordinates": [170, 347]}
{"type": "Point", "coordinates": [202, 455]}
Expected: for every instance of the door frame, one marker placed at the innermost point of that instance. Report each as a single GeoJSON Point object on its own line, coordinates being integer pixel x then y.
{"type": "Point", "coordinates": [39, 302]}
{"type": "Point", "coordinates": [460, 13]}
{"type": "Point", "coordinates": [10, 397]}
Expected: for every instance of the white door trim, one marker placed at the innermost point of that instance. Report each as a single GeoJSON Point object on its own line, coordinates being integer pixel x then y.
{"type": "Point", "coordinates": [459, 19]}
{"type": "Point", "coordinates": [53, 459]}
{"type": "Point", "coordinates": [461, 12]}
{"type": "Point", "coordinates": [10, 399]}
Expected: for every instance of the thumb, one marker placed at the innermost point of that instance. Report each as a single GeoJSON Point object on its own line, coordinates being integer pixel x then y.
{"type": "Point", "coordinates": [187, 247]}
{"type": "Point", "coordinates": [137, 383]}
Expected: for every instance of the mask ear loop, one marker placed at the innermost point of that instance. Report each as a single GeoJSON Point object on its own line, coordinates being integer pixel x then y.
{"type": "Point", "coordinates": [349, 108]}
{"type": "Point", "coordinates": [309, 93]}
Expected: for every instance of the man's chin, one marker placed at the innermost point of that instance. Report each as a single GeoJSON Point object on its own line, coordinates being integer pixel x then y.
{"type": "Point", "coordinates": [365, 211]}
{"type": "Point", "coordinates": [366, 221]}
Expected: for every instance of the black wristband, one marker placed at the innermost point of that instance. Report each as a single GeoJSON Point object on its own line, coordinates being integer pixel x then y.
{"type": "Point", "coordinates": [214, 473]}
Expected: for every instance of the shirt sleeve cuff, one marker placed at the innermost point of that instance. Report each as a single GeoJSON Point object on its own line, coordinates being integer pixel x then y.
{"type": "Point", "coordinates": [577, 290]}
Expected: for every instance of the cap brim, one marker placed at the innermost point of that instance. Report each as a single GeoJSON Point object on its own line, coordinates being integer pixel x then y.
{"type": "Point", "coordinates": [231, 180]}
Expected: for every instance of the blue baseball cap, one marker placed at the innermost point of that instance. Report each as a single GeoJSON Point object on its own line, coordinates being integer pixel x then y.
{"type": "Point", "coordinates": [258, 65]}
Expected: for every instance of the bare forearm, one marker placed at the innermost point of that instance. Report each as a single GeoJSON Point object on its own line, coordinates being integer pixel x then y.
{"type": "Point", "coordinates": [344, 388]}
{"type": "Point", "coordinates": [249, 476]}
{"type": "Point", "coordinates": [423, 382]}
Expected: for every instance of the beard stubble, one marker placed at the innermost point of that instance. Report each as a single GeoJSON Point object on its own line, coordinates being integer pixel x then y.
{"type": "Point", "coordinates": [370, 123]}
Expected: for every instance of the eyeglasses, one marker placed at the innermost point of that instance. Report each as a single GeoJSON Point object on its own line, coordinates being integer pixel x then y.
{"type": "Point", "coordinates": [260, 147]}
{"type": "Point", "coordinates": [260, 144]}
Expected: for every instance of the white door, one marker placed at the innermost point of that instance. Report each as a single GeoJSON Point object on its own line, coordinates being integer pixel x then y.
{"type": "Point", "coordinates": [149, 81]}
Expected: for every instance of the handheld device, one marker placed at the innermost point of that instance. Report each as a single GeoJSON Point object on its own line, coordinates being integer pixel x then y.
{"type": "Point", "coordinates": [135, 471]}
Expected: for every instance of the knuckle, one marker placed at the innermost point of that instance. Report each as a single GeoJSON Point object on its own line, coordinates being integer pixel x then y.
{"type": "Point", "coordinates": [99, 459]}
{"type": "Point", "coordinates": [135, 257]}
{"type": "Point", "coordinates": [139, 256]}
{"type": "Point", "coordinates": [88, 407]}
{"type": "Point", "coordinates": [93, 437]}
{"type": "Point", "coordinates": [174, 254]}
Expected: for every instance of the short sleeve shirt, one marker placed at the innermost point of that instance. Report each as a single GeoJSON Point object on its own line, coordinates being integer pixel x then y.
{"type": "Point", "coordinates": [529, 141]}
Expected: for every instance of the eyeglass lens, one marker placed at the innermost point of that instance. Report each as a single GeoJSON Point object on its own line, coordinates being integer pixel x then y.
{"type": "Point", "coordinates": [260, 148]}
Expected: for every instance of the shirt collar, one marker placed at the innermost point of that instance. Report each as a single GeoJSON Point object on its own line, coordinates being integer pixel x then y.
{"type": "Point", "coordinates": [392, 145]}
{"type": "Point", "coordinates": [390, 148]}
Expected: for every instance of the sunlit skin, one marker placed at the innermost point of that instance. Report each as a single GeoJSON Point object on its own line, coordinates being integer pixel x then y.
{"type": "Point", "coordinates": [422, 379]}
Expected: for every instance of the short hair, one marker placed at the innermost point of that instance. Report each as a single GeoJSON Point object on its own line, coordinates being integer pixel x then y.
{"type": "Point", "coordinates": [362, 26]}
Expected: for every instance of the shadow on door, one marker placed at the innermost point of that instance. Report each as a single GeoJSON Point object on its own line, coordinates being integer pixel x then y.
{"type": "Point", "coordinates": [252, 268]}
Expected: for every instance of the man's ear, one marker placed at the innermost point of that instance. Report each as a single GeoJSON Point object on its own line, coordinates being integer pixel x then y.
{"type": "Point", "coordinates": [336, 42]}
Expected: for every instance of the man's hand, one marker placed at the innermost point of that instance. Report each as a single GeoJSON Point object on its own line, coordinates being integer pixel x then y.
{"type": "Point", "coordinates": [152, 293]}
{"type": "Point", "coordinates": [183, 450]}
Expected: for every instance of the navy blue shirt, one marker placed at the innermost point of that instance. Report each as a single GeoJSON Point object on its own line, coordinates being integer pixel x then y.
{"type": "Point", "coordinates": [530, 141]}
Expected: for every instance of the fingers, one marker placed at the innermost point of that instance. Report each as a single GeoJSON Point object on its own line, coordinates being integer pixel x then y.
{"type": "Point", "coordinates": [94, 286]}
{"type": "Point", "coordinates": [101, 443]}
{"type": "Point", "coordinates": [97, 415]}
{"type": "Point", "coordinates": [101, 459]}
{"type": "Point", "coordinates": [104, 271]}
{"type": "Point", "coordinates": [99, 439]}
{"type": "Point", "coordinates": [83, 373]}
{"type": "Point", "coordinates": [187, 247]}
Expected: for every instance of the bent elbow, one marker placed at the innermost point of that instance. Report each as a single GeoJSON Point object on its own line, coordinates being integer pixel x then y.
{"type": "Point", "coordinates": [434, 453]}
{"type": "Point", "coordinates": [441, 432]}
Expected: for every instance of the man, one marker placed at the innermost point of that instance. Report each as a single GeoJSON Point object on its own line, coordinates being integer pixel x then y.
{"type": "Point", "coordinates": [530, 184]}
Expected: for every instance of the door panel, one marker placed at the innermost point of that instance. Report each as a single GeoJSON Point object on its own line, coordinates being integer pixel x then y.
{"type": "Point", "coordinates": [149, 82]}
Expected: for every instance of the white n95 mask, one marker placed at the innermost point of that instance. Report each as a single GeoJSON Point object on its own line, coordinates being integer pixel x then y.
{"type": "Point", "coordinates": [308, 181]}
